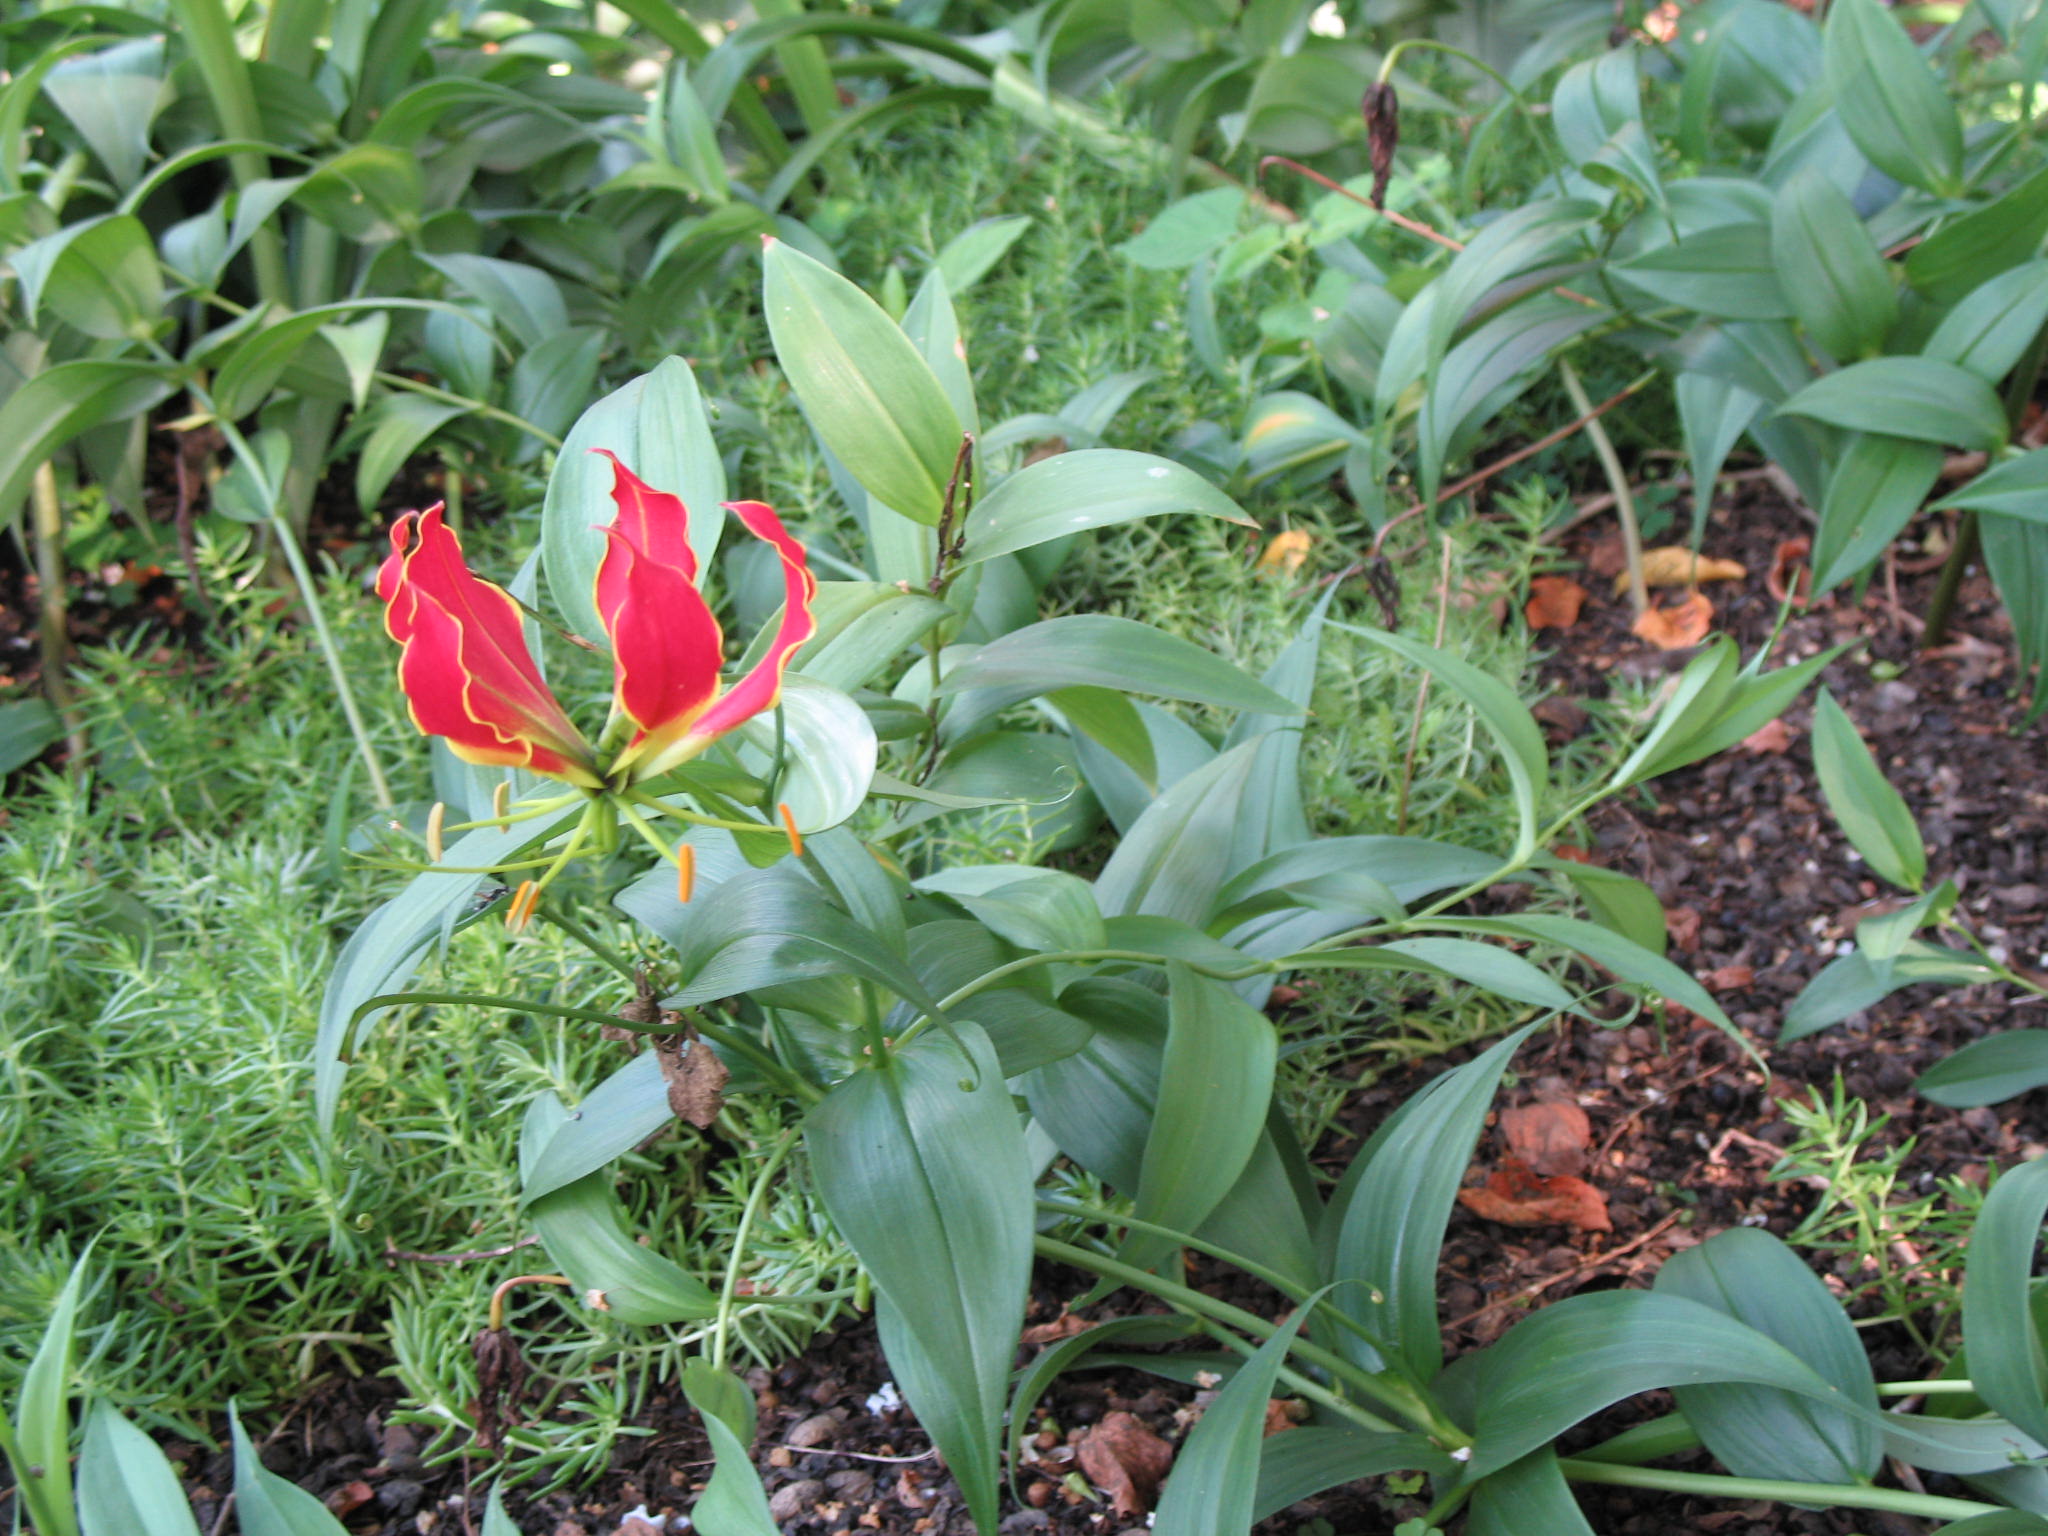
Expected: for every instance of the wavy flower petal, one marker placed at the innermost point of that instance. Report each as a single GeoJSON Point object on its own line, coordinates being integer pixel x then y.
{"type": "Point", "coordinates": [762, 686]}
{"type": "Point", "coordinates": [464, 664]}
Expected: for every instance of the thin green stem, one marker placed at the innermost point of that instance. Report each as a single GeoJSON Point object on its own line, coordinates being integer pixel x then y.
{"type": "Point", "coordinates": [591, 942]}
{"type": "Point", "coordinates": [479, 407]}
{"type": "Point", "coordinates": [1828, 1495]}
{"type": "Point", "coordinates": [1617, 482]}
{"type": "Point", "coordinates": [53, 630]}
{"type": "Point", "coordinates": [1398, 1396]}
{"type": "Point", "coordinates": [721, 1332]}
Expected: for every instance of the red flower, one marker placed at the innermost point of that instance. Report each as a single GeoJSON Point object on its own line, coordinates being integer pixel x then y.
{"type": "Point", "coordinates": [469, 677]}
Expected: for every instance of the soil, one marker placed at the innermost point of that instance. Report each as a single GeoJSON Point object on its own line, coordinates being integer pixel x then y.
{"type": "Point", "coordinates": [1684, 1128]}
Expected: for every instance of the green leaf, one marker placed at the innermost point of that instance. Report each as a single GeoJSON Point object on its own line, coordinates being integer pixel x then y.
{"type": "Point", "coordinates": [1100, 650]}
{"type": "Point", "coordinates": [1999, 1331]}
{"type": "Point", "coordinates": [1175, 857]}
{"type": "Point", "coordinates": [385, 950]}
{"type": "Point", "coordinates": [1896, 110]}
{"type": "Point", "coordinates": [1488, 967]}
{"type": "Point", "coordinates": [1631, 962]}
{"type": "Point", "coordinates": [1615, 901]}
{"type": "Point", "coordinates": [1089, 488]}
{"type": "Point", "coordinates": [1594, 100]}
{"type": "Point", "coordinates": [368, 192]}
{"type": "Point", "coordinates": [1386, 1219]}
{"type": "Point", "coordinates": [1215, 1481]}
{"type": "Point", "coordinates": [581, 1227]}
{"type": "Point", "coordinates": [1851, 984]}
{"type": "Point", "coordinates": [1505, 717]}
{"type": "Point", "coordinates": [398, 424]}
{"type": "Point", "coordinates": [28, 729]}
{"type": "Point", "coordinates": [1706, 684]}
{"type": "Point", "coordinates": [125, 1484]}
{"type": "Point", "coordinates": [100, 275]}
{"type": "Point", "coordinates": [658, 426]}
{"type": "Point", "coordinates": [921, 1162]}
{"type": "Point", "coordinates": [1982, 244]}
{"type": "Point", "coordinates": [1876, 486]}
{"type": "Point", "coordinates": [1871, 814]}
{"type": "Point", "coordinates": [1828, 266]}
{"type": "Point", "coordinates": [1727, 271]}
{"type": "Point", "coordinates": [967, 257]}
{"type": "Point", "coordinates": [496, 1521]}
{"type": "Point", "coordinates": [1215, 1081]}
{"type": "Point", "coordinates": [1305, 1461]}
{"type": "Point", "coordinates": [111, 97]}
{"type": "Point", "coordinates": [614, 1118]}
{"type": "Point", "coordinates": [63, 402]}
{"type": "Point", "coordinates": [1035, 909]}
{"type": "Point", "coordinates": [828, 753]}
{"type": "Point", "coordinates": [1757, 1431]}
{"type": "Point", "coordinates": [773, 926]}
{"type": "Point", "coordinates": [1182, 233]}
{"type": "Point", "coordinates": [40, 1449]}
{"type": "Point", "coordinates": [1571, 1359]}
{"type": "Point", "coordinates": [1752, 703]}
{"type": "Point", "coordinates": [1992, 326]}
{"type": "Point", "coordinates": [2017, 487]}
{"type": "Point", "coordinates": [1527, 1495]}
{"type": "Point", "coordinates": [733, 1501]}
{"type": "Point", "coordinates": [551, 382]}
{"type": "Point", "coordinates": [360, 346]}
{"type": "Point", "coordinates": [1911, 397]}
{"type": "Point", "coordinates": [2016, 554]}
{"type": "Point", "coordinates": [1988, 1071]}
{"type": "Point", "coordinates": [267, 1505]}
{"type": "Point", "coordinates": [524, 300]}
{"type": "Point", "coordinates": [1713, 414]}
{"type": "Point", "coordinates": [867, 393]}
{"type": "Point", "coordinates": [249, 373]}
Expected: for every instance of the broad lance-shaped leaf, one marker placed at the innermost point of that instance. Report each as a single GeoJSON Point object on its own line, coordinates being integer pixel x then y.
{"type": "Point", "coordinates": [1894, 107]}
{"type": "Point", "coordinates": [1215, 1479]}
{"type": "Point", "coordinates": [1101, 650]}
{"type": "Point", "coordinates": [267, 1505]}
{"type": "Point", "coordinates": [1089, 488]}
{"type": "Point", "coordinates": [2016, 488]}
{"type": "Point", "coordinates": [1386, 1218]}
{"type": "Point", "coordinates": [125, 1485]}
{"type": "Point", "coordinates": [1757, 1431]}
{"type": "Point", "coordinates": [1999, 1330]}
{"type": "Point", "coordinates": [1872, 814]}
{"type": "Point", "coordinates": [1988, 1071]}
{"type": "Point", "coordinates": [872, 400]}
{"type": "Point", "coordinates": [1912, 397]}
{"type": "Point", "coordinates": [1525, 1496]}
{"type": "Point", "coordinates": [733, 1503]}
{"type": "Point", "coordinates": [1215, 1081]}
{"type": "Point", "coordinates": [921, 1163]}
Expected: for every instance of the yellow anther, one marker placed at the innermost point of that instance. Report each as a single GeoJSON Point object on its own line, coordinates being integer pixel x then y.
{"type": "Point", "coordinates": [500, 798]}
{"type": "Point", "coordinates": [796, 838]}
{"type": "Point", "coordinates": [524, 900]}
{"type": "Point", "coordinates": [686, 872]}
{"type": "Point", "coordinates": [435, 818]}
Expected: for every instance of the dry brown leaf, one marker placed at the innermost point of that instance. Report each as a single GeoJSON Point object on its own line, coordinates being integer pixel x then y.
{"type": "Point", "coordinates": [1065, 1326]}
{"type": "Point", "coordinates": [1607, 556]}
{"type": "Point", "coordinates": [1126, 1461]}
{"type": "Point", "coordinates": [1773, 737]}
{"type": "Point", "coordinates": [1788, 565]}
{"type": "Point", "coordinates": [1286, 552]}
{"type": "Point", "coordinates": [1673, 565]}
{"type": "Point", "coordinates": [1516, 1196]}
{"type": "Point", "coordinates": [695, 1076]}
{"type": "Point", "coordinates": [1683, 924]}
{"type": "Point", "coordinates": [1673, 629]}
{"type": "Point", "coordinates": [1729, 978]}
{"type": "Point", "coordinates": [1554, 602]}
{"type": "Point", "coordinates": [1551, 1136]}
{"type": "Point", "coordinates": [1283, 1413]}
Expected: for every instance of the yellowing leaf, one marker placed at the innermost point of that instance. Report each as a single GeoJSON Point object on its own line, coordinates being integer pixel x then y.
{"type": "Point", "coordinates": [1286, 552]}
{"type": "Point", "coordinates": [1674, 565]}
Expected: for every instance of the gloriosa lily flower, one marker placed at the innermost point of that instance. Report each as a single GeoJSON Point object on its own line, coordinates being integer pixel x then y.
{"type": "Point", "coordinates": [469, 678]}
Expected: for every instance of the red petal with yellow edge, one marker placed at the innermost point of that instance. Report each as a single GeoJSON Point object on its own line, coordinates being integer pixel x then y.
{"type": "Point", "coordinates": [465, 666]}
{"type": "Point", "coordinates": [761, 687]}
{"type": "Point", "coordinates": [657, 522]}
{"type": "Point", "coordinates": [666, 646]}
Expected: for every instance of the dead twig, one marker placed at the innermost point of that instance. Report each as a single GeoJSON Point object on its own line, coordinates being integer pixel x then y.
{"type": "Point", "coordinates": [1592, 1264]}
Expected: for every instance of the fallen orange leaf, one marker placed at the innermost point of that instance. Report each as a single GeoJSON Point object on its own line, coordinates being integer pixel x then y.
{"type": "Point", "coordinates": [1554, 602]}
{"type": "Point", "coordinates": [1673, 629]}
{"type": "Point", "coordinates": [1550, 1136]}
{"type": "Point", "coordinates": [1516, 1196]}
{"type": "Point", "coordinates": [1126, 1461]}
{"type": "Point", "coordinates": [1788, 566]}
{"type": "Point", "coordinates": [1673, 565]}
{"type": "Point", "coordinates": [1773, 736]}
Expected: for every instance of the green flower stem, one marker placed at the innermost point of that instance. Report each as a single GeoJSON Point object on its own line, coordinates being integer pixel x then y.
{"type": "Point", "coordinates": [1291, 1289]}
{"type": "Point", "coordinates": [1832, 1495]}
{"type": "Point", "coordinates": [479, 407]}
{"type": "Point", "coordinates": [591, 942]}
{"type": "Point", "coordinates": [535, 809]}
{"type": "Point", "coordinates": [1398, 1396]}
{"type": "Point", "coordinates": [722, 1331]}
{"type": "Point", "coordinates": [1926, 1389]}
{"type": "Point", "coordinates": [509, 1004]}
